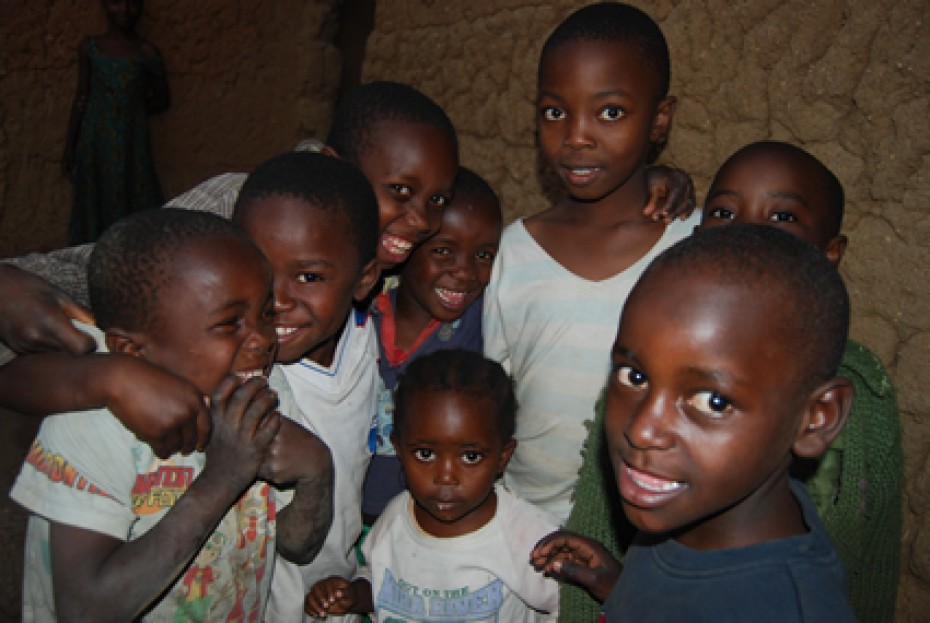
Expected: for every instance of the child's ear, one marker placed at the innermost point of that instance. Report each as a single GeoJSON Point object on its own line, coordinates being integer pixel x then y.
{"type": "Point", "coordinates": [836, 248]}
{"type": "Point", "coordinates": [506, 453]}
{"type": "Point", "coordinates": [368, 279]}
{"type": "Point", "coordinates": [824, 418]}
{"type": "Point", "coordinates": [663, 119]}
{"type": "Point", "coordinates": [124, 342]}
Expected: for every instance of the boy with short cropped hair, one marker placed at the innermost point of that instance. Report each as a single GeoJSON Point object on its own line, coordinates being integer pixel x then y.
{"type": "Point", "coordinates": [857, 484]}
{"type": "Point", "coordinates": [723, 370]}
{"type": "Point", "coordinates": [115, 532]}
{"type": "Point", "coordinates": [562, 275]}
{"type": "Point", "coordinates": [316, 219]}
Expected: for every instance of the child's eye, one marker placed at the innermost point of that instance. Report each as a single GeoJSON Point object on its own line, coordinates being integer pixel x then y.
{"type": "Point", "coordinates": [402, 189]}
{"type": "Point", "coordinates": [424, 455]}
{"type": "Point", "coordinates": [228, 325]}
{"type": "Point", "coordinates": [711, 403]}
{"type": "Point", "coordinates": [309, 277]}
{"type": "Point", "coordinates": [442, 251]}
{"type": "Point", "coordinates": [472, 457]}
{"type": "Point", "coordinates": [723, 213]}
{"type": "Point", "coordinates": [630, 377]}
{"type": "Point", "coordinates": [487, 256]}
{"type": "Point", "coordinates": [551, 113]}
{"type": "Point", "coordinates": [611, 113]}
{"type": "Point", "coordinates": [783, 217]}
{"type": "Point", "coordinates": [439, 201]}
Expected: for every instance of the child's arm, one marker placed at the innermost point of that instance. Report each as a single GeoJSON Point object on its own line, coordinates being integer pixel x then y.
{"type": "Point", "coordinates": [36, 316]}
{"type": "Point", "coordinates": [335, 596]}
{"type": "Point", "coordinates": [578, 560]}
{"type": "Point", "coordinates": [78, 106]}
{"type": "Point", "coordinates": [162, 409]}
{"type": "Point", "coordinates": [671, 193]}
{"type": "Point", "coordinates": [100, 578]}
{"type": "Point", "coordinates": [298, 456]}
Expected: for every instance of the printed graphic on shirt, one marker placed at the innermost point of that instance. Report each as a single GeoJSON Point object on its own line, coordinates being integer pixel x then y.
{"type": "Point", "coordinates": [227, 574]}
{"type": "Point", "coordinates": [160, 487]}
{"type": "Point", "coordinates": [57, 469]}
{"type": "Point", "coordinates": [399, 602]}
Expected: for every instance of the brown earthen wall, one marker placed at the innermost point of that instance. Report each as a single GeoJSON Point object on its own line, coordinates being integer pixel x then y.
{"type": "Point", "coordinates": [248, 79]}
{"type": "Point", "coordinates": [848, 80]}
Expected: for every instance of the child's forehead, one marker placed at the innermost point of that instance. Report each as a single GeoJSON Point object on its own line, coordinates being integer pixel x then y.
{"type": "Point", "coordinates": [286, 211]}
{"type": "Point", "coordinates": [595, 68]}
{"type": "Point", "coordinates": [772, 171]}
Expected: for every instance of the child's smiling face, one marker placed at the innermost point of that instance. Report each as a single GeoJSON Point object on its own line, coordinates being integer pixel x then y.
{"type": "Point", "coordinates": [450, 270]}
{"type": "Point", "coordinates": [214, 315]}
{"type": "Point", "coordinates": [703, 406]}
{"type": "Point", "coordinates": [412, 169]}
{"type": "Point", "coordinates": [597, 114]}
{"type": "Point", "coordinates": [452, 451]}
{"type": "Point", "coordinates": [317, 273]}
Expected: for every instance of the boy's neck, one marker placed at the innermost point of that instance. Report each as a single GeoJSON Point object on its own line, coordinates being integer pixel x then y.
{"type": "Point", "coordinates": [769, 513]}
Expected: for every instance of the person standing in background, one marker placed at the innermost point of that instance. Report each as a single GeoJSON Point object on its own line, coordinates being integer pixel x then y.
{"type": "Point", "coordinates": [108, 155]}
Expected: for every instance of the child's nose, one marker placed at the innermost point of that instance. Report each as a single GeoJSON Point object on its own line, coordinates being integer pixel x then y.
{"type": "Point", "coordinates": [418, 217]}
{"type": "Point", "coordinates": [282, 296]}
{"type": "Point", "coordinates": [578, 132]}
{"type": "Point", "coordinates": [445, 473]}
{"type": "Point", "coordinates": [262, 336]}
{"type": "Point", "coordinates": [651, 424]}
{"type": "Point", "coordinates": [464, 267]}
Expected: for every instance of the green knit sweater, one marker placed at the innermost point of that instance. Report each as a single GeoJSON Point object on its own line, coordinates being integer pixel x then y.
{"type": "Point", "coordinates": [856, 487]}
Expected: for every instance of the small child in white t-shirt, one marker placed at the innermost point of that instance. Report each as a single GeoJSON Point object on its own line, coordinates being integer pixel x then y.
{"type": "Point", "coordinates": [455, 546]}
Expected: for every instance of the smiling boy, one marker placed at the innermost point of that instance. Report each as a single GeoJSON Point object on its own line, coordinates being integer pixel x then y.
{"type": "Point", "coordinates": [857, 484]}
{"type": "Point", "coordinates": [188, 537]}
{"type": "Point", "coordinates": [723, 370]}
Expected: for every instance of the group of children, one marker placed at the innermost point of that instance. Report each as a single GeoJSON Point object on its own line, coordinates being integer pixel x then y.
{"type": "Point", "coordinates": [457, 421]}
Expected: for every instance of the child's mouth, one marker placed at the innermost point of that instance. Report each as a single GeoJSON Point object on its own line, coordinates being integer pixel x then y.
{"type": "Point", "coordinates": [646, 490]}
{"type": "Point", "coordinates": [581, 175]}
{"type": "Point", "coordinates": [453, 299]}
{"type": "Point", "coordinates": [285, 334]}
{"type": "Point", "coordinates": [398, 248]}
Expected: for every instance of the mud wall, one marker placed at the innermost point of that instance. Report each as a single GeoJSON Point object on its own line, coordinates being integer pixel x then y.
{"type": "Point", "coordinates": [248, 79]}
{"type": "Point", "coordinates": [848, 80]}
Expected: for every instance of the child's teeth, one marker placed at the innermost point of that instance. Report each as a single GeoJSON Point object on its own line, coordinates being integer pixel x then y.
{"type": "Point", "coordinates": [282, 331]}
{"type": "Point", "coordinates": [451, 297]}
{"type": "Point", "coordinates": [653, 483]}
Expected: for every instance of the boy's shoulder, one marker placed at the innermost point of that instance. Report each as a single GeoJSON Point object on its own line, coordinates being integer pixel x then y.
{"type": "Point", "coordinates": [790, 579]}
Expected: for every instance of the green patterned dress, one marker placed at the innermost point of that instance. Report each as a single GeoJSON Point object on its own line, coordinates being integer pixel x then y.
{"type": "Point", "coordinates": [114, 170]}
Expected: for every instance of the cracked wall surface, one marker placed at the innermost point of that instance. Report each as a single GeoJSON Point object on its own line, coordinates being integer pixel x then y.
{"type": "Point", "coordinates": [847, 80]}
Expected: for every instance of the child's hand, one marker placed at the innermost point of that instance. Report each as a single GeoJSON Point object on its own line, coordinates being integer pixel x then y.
{"type": "Point", "coordinates": [35, 316]}
{"type": "Point", "coordinates": [334, 595]}
{"type": "Point", "coordinates": [245, 421]}
{"type": "Point", "coordinates": [671, 194]}
{"type": "Point", "coordinates": [578, 560]}
{"type": "Point", "coordinates": [294, 454]}
{"type": "Point", "coordinates": [162, 409]}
